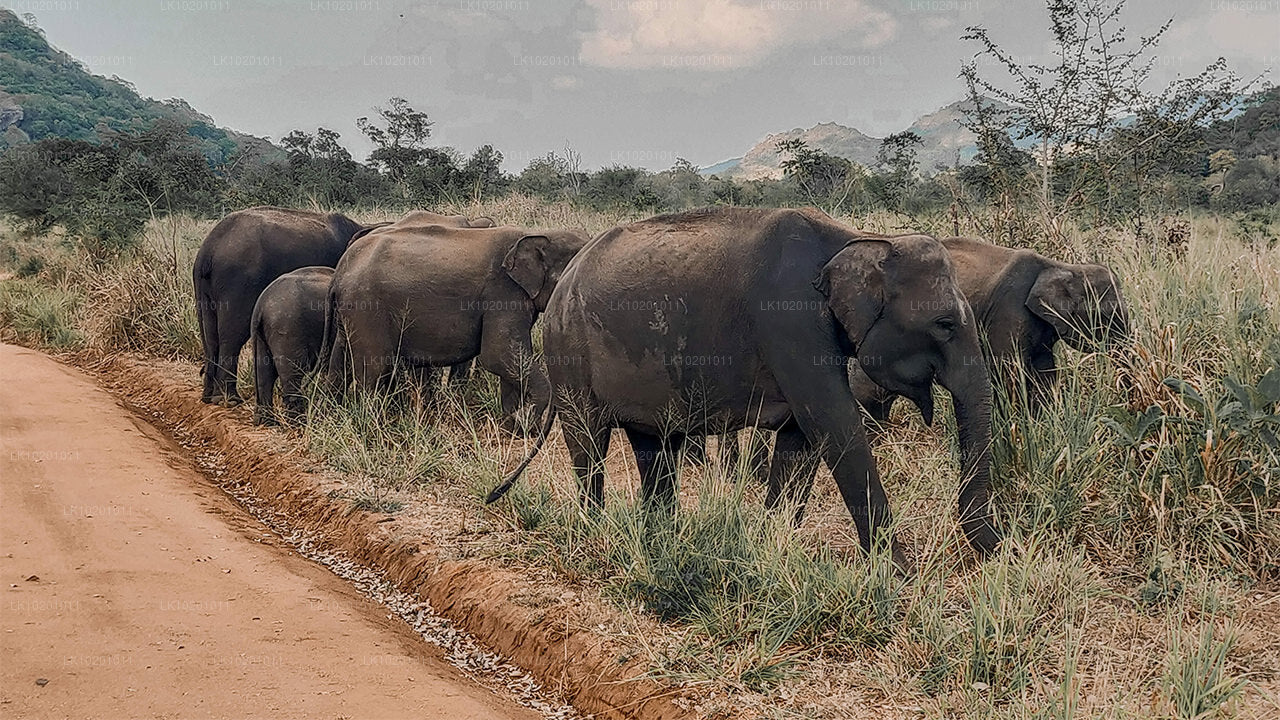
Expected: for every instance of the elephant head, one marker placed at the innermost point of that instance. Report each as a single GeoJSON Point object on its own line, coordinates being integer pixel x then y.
{"type": "Point", "coordinates": [1082, 303]}
{"type": "Point", "coordinates": [535, 262]}
{"type": "Point", "coordinates": [907, 323]}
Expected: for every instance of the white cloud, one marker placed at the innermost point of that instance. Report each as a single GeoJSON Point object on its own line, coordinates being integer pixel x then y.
{"type": "Point", "coordinates": [721, 34]}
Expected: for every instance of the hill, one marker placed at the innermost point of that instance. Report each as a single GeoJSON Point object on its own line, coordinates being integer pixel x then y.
{"type": "Point", "coordinates": [46, 93]}
{"type": "Point", "coordinates": [944, 143]}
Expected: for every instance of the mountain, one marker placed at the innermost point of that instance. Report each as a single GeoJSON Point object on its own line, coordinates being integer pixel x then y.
{"type": "Point", "coordinates": [944, 142]}
{"type": "Point", "coordinates": [45, 92]}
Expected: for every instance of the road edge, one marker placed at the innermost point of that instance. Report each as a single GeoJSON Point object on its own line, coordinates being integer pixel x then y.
{"type": "Point", "coordinates": [576, 663]}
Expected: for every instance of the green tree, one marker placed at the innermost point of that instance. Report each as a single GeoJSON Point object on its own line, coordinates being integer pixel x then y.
{"type": "Point", "coordinates": [401, 139]}
{"type": "Point", "coordinates": [482, 174]}
{"type": "Point", "coordinates": [896, 159]}
{"type": "Point", "coordinates": [824, 179]}
{"type": "Point", "coordinates": [1075, 107]}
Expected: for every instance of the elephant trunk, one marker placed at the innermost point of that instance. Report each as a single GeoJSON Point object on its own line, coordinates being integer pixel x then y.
{"type": "Point", "coordinates": [967, 379]}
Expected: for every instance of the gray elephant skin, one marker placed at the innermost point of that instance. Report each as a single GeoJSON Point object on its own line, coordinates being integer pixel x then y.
{"type": "Point", "coordinates": [415, 297]}
{"type": "Point", "coordinates": [243, 253]}
{"type": "Point", "coordinates": [1025, 303]}
{"type": "Point", "coordinates": [287, 331]}
{"type": "Point", "coordinates": [709, 321]}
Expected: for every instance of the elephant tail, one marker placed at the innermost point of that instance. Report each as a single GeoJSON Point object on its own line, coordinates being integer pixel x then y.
{"type": "Point", "coordinates": [330, 330]}
{"type": "Point", "coordinates": [548, 419]}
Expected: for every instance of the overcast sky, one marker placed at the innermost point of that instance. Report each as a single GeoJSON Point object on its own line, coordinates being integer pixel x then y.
{"type": "Point", "coordinates": [635, 82]}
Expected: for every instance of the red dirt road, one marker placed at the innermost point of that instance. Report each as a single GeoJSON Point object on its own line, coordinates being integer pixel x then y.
{"type": "Point", "coordinates": [134, 588]}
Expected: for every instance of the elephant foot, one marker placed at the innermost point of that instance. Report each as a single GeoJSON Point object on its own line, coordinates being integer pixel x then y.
{"type": "Point", "coordinates": [263, 416]}
{"type": "Point", "coordinates": [231, 400]}
{"type": "Point", "coordinates": [982, 536]}
{"type": "Point", "coordinates": [509, 425]}
{"type": "Point", "coordinates": [208, 400]}
{"type": "Point", "coordinates": [901, 562]}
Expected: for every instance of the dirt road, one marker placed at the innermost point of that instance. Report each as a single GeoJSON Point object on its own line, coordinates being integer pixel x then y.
{"type": "Point", "coordinates": [134, 588]}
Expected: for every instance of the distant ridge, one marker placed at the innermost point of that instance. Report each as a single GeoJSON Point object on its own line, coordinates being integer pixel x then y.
{"type": "Point", "coordinates": [46, 93]}
{"type": "Point", "coordinates": [945, 142]}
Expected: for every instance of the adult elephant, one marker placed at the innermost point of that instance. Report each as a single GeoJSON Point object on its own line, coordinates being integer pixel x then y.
{"type": "Point", "coordinates": [1025, 303]}
{"type": "Point", "coordinates": [247, 250]}
{"type": "Point", "coordinates": [708, 321]}
{"type": "Point", "coordinates": [416, 297]}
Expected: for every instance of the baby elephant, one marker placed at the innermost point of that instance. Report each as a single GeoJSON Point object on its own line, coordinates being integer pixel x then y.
{"type": "Point", "coordinates": [287, 330]}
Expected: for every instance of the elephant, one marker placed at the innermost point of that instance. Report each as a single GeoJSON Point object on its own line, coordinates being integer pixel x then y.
{"type": "Point", "coordinates": [423, 296]}
{"type": "Point", "coordinates": [288, 330]}
{"type": "Point", "coordinates": [243, 253]}
{"type": "Point", "coordinates": [1025, 303]}
{"type": "Point", "coordinates": [708, 321]}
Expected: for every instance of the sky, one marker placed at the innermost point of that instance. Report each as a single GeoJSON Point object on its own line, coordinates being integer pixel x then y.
{"type": "Point", "coordinates": [630, 82]}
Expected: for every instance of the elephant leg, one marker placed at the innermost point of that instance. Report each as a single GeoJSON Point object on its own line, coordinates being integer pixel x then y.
{"type": "Point", "coordinates": [231, 338]}
{"type": "Point", "coordinates": [292, 397]}
{"type": "Point", "coordinates": [824, 407]}
{"type": "Point", "coordinates": [588, 445]}
{"type": "Point", "coordinates": [695, 448]}
{"type": "Point", "coordinates": [791, 474]}
{"type": "Point", "coordinates": [424, 382]}
{"type": "Point", "coordinates": [371, 367]}
{"type": "Point", "coordinates": [875, 400]}
{"type": "Point", "coordinates": [228, 365]}
{"type": "Point", "coordinates": [264, 381]}
{"type": "Point", "coordinates": [208, 318]}
{"type": "Point", "coordinates": [506, 350]}
{"type": "Point", "coordinates": [657, 459]}
{"type": "Point", "coordinates": [1042, 377]}
{"type": "Point", "coordinates": [758, 454]}
{"type": "Point", "coordinates": [729, 452]}
{"type": "Point", "coordinates": [459, 373]}
{"type": "Point", "coordinates": [509, 396]}
{"type": "Point", "coordinates": [337, 375]}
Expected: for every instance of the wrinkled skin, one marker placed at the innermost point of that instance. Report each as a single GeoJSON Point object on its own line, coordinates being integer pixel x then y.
{"type": "Point", "coordinates": [243, 253]}
{"type": "Point", "coordinates": [288, 329]}
{"type": "Point", "coordinates": [1025, 303]}
{"type": "Point", "coordinates": [710, 321]}
{"type": "Point", "coordinates": [413, 298]}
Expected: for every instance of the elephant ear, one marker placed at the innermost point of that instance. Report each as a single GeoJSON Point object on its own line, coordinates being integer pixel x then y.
{"type": "Point", "coordinates": [1056, 298]}
{"type": "Point", "coordinates": [526, 263]}
{"type": "Point", "coordinates": [853, 283]}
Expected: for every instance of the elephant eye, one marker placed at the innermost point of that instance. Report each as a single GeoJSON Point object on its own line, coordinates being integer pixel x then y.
{"type": "Point", "coordinates": [946, 323]}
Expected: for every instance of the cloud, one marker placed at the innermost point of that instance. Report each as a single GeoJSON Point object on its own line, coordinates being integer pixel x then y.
{"type": "Point", "coordinates": [1246, 38]}
{"type": "Point", "coordinates": [723, 34]}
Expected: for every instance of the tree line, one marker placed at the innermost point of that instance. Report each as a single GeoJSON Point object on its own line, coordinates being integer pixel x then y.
{"type": "Point", "coordinates": [1077, 138]}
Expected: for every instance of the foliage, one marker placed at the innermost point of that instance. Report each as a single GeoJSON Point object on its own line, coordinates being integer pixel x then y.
{"type": "Point", "coordinates": [103, 194]}
{"type": "Point", "coordinates": [1100, 134]}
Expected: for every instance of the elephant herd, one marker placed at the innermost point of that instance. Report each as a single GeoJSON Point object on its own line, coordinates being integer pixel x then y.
{"type": "Point", "coordinates": [672, 328]}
